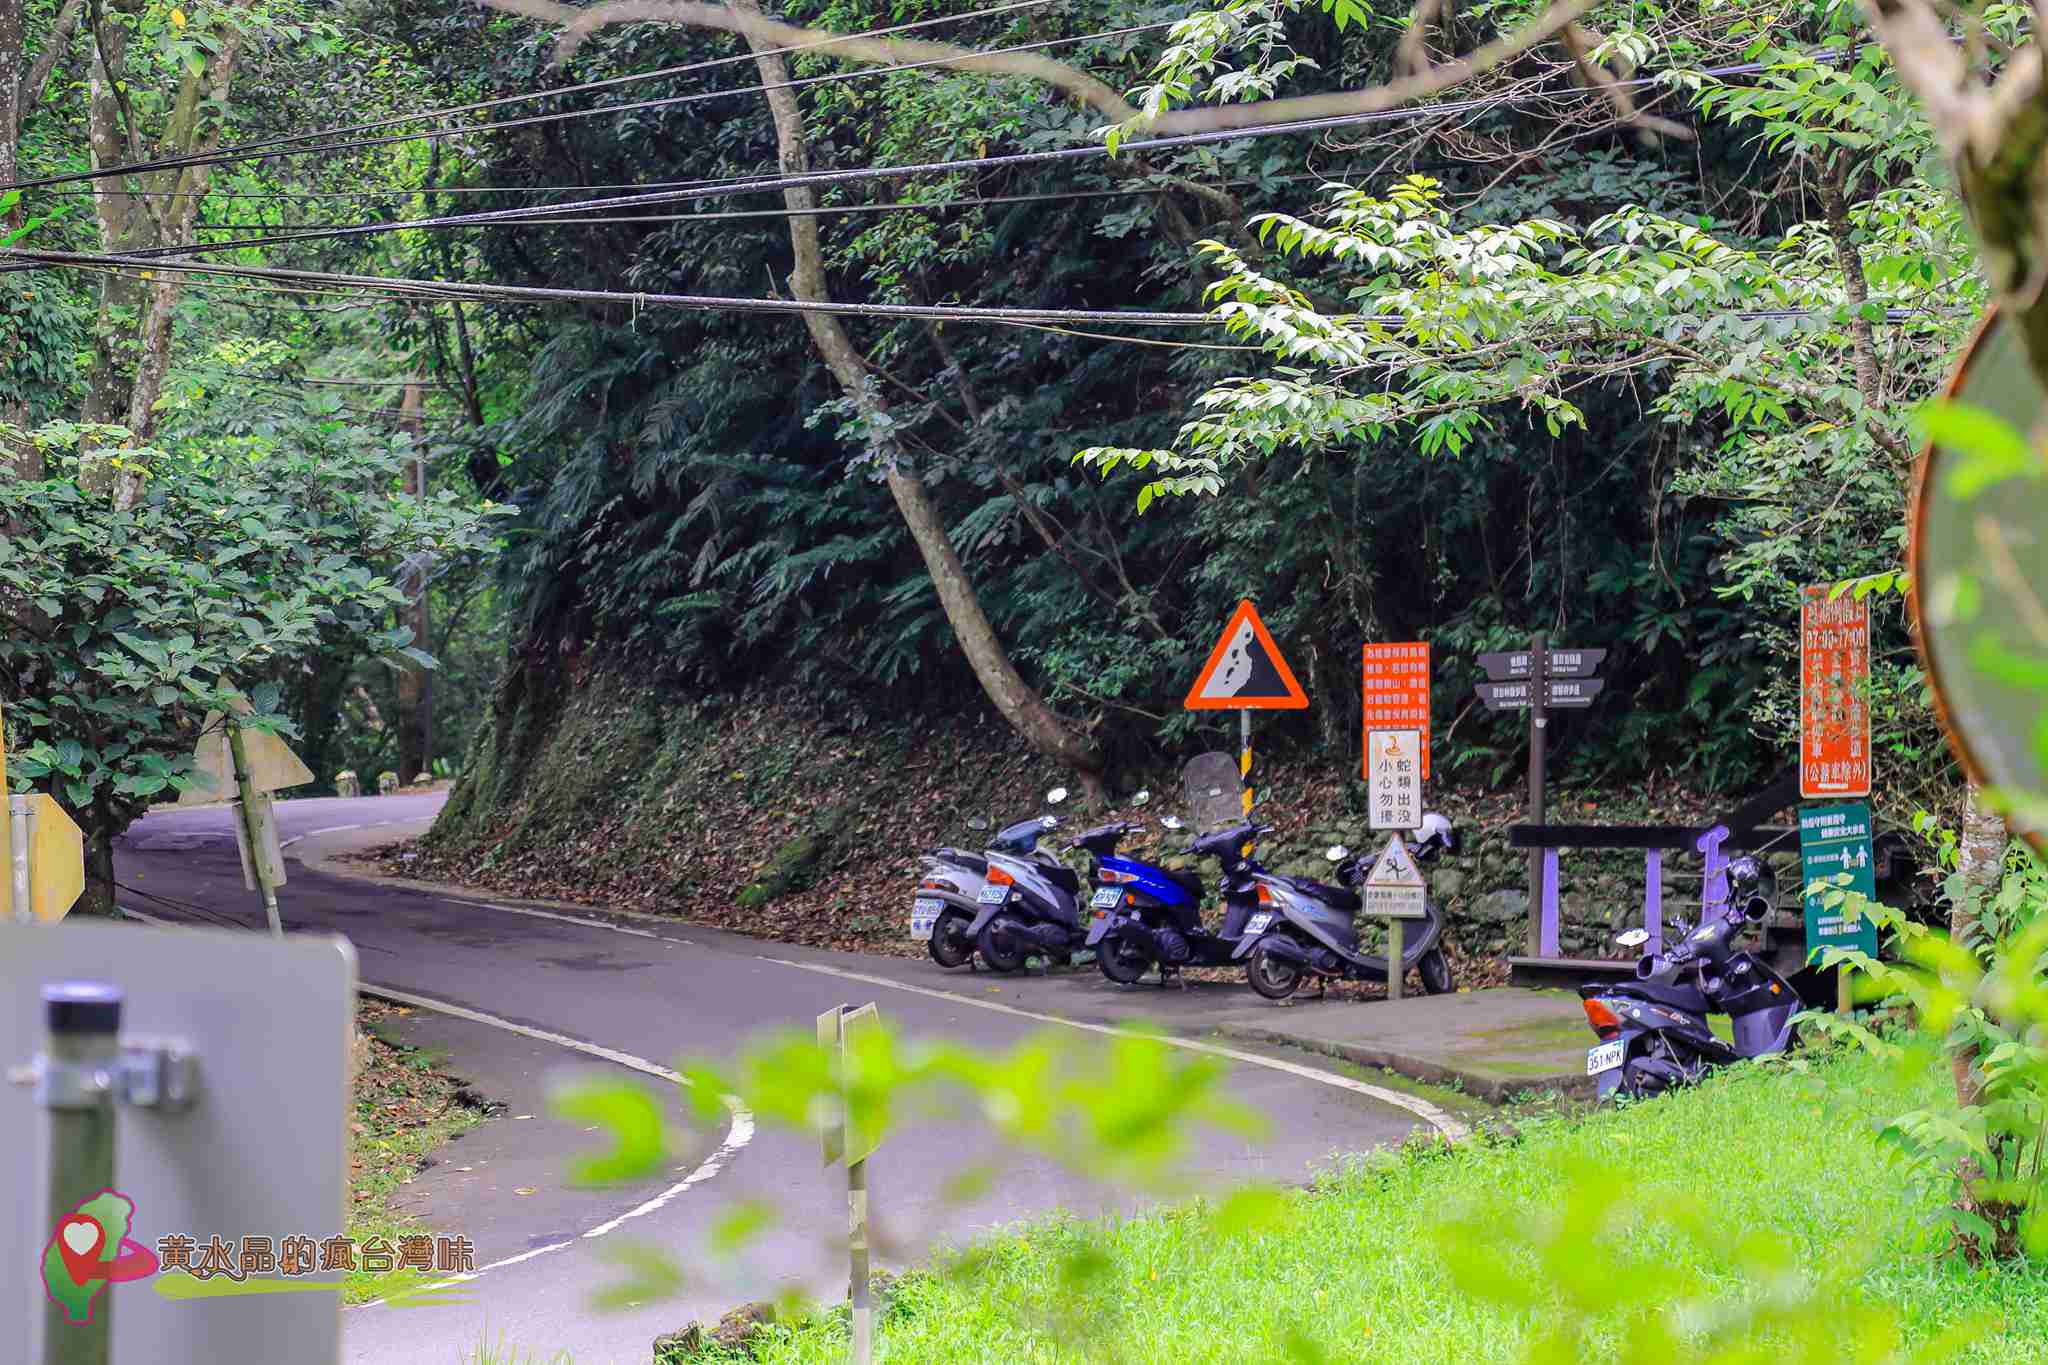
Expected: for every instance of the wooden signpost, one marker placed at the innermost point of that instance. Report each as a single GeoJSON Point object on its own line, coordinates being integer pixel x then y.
{"type": "Point", "coordinates": [1539, 679]}
{"type": "Point", "coordinates": [852, 1137]}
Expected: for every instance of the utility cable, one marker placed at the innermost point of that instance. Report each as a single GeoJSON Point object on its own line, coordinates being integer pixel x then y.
{"type": "Point", "coordinates": [18, 260]}
{"type": "Point", "coordinates": [666, 101]}
{"type": "Point", "coordinates": [245, 151]}
{"type": "Point", "coordinates": [813, 179]}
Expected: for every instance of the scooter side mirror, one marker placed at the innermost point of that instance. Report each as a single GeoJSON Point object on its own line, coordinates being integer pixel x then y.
{"type": "Point", "coordinates": [1336, 853]}
{"type": "Point", "coordinates": [1632, 938]}
{"type": "Point", "coordinates": [1756, 909]}
{"type": "Point", "coordinates": [1056, 795]}
{"type": "Point", "coordinates": [977, 822]}
{"type": "Point", "coordinates": [1173, 822]}
{"type": "Point", "coordinates": [1140, 798]}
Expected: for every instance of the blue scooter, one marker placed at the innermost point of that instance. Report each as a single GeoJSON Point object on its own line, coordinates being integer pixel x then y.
{"type": "Point", "coordinates": [1144, 915]}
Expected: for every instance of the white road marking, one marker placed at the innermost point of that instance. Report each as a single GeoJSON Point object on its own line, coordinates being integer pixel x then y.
{"type": "Point", "coordinates": [331, 829]}
{"type": "Point", "coordinates": [566, 919]}
{"type": "Point", "coordinates": [1450, 1127]}
{"type": "Point", "coordinates": [737, 1135]}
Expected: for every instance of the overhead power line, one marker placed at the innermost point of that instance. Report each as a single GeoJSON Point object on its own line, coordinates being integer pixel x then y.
{"type": "Point", "coordinates": [245, 151]}
{"type": "Point", "coordinates": [606, 110]}
{"type": "Point", "coordinates": [815, 179]}
{"type": "Point", "coordinates": [401, 289]}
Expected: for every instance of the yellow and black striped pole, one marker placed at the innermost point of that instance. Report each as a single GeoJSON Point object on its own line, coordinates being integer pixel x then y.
{"type": "Point", "coordinates": [1244, 765]}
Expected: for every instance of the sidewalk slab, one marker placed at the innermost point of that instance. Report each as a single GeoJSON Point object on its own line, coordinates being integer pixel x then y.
{"type": "Point", "coordinates": [1493, 1044]}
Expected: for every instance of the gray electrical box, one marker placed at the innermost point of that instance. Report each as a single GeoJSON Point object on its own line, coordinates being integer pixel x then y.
{"type": "Point", "coordinates": [229, 1107]}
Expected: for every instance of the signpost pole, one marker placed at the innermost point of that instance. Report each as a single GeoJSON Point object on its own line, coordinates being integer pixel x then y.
{"type": "Point", "coordinates": [1244, 758]}
{"type": "Point", "coordinates": [857, 1248]}
{"type": "Point", "coordinates": [20, 833]}
{"type": "Point", "coordinates": [16, 835]}
{"type": "Point", "coordinates": [82, 1022]}
{"type": "Point", "coordinates": [1396, 951]}
{"type": "Point", "coordinates": [1537, 726]}
{"type": "Point", "coordinates": [255, 813]}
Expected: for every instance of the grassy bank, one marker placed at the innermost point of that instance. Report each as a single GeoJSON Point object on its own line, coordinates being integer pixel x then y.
{"type": "Point", "coordinates": [403, 1108]}
{"type": "Point", "coordinates": [1355, 1269]}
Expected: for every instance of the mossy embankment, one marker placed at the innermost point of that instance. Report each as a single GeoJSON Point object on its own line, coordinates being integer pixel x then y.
{"type": "Point", "coordinates": [768, 817]}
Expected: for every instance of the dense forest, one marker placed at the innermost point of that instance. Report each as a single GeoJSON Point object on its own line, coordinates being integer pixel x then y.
{"type": "Point", "coordinates": [1615, 341]}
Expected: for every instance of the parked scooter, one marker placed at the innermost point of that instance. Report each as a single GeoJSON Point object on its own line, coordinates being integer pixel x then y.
{"type": "Point", "coordinates": [1009, 902]}
{"type": "Point", "coordinates": [1144, 915]}
{"type": "Point", "coordinates": [1654, 1032]}
{"type": "Point", "coordinates": [1295, 928]}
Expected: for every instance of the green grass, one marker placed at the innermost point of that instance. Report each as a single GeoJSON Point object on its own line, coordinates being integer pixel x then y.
{"type": "Point", "coordinates": [1353, 1267]}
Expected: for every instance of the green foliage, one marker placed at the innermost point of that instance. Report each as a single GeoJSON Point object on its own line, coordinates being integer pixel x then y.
{"type": "Point", "coordinates": [1982, 1000]}
{"type": "Point", "coordinates": [132, 623]}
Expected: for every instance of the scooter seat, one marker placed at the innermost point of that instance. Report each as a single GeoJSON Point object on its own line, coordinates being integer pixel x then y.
{"type": "Point", "coordinates": [1065, 879]}
{"type": "Point", "coordinates": [1190, 882]}
{"type": "Point", "coordinates": [1336, 897]}
{"type": "Point", "coordinates": [1677, 996]}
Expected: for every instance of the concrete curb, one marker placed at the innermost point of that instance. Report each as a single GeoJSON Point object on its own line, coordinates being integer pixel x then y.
{"type": "Point", "coordinates": [1489, 1086]}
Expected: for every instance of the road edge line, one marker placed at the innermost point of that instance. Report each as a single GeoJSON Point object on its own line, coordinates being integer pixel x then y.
{"type": "Point", "coordinates": [737, 1134]}
{"type": "Point", "coordinates": [1452, 1129]}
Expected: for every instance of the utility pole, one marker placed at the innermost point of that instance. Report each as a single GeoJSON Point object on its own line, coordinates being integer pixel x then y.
{"type": "Point", "coordinates": [415, 684]}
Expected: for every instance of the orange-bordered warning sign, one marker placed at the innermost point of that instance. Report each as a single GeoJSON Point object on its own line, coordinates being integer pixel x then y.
{"type": "Point", "coordinates": [1245, 671]}
{"type": "Point", "coordinates": [1834, 708]}
{"type": "Point", "coordinates": [1397, 694]}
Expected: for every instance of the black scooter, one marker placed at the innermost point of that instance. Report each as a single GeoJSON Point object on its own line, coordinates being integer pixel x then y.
{"type": "Point", "coordinates": [1654, 1033]}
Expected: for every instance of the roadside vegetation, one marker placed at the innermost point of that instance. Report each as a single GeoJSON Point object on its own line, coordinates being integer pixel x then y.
{"type": "Point", "coordinates": [404, 1109]}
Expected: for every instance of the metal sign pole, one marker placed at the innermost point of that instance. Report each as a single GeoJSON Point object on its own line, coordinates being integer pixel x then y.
{"type": "Point", "coordinates": [20, 832]}
{"type": "Point", "coordinates": [863, 1345]}
{"type": "Point", "coordinates": [1396, 951]}
{"type": "Point", "coordinates": [1244, 758]}
{"type": "Point", "coordinates": [255, 812]}
{"type": "Point", "coordinates": [81, 1051]}
{"type": "Point", "coordinates": [1537, 725]}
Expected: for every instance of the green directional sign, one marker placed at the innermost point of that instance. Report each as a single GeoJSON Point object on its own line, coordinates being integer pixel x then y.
{"type": "Point", "coordinates": [1833, 841]}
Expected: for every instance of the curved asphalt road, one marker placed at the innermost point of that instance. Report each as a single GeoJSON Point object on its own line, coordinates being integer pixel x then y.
{"type": "Point", "coordinates": [656, 991]}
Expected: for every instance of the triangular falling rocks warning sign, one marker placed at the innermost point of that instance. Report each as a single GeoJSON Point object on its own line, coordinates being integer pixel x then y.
{"type": "Point", "coordinates": [1245, 671]}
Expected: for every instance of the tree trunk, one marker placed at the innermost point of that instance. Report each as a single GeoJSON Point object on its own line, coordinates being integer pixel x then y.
{"type": "Point", "coordinates": [1980, 859]}
{"type": "Point", "coordinates": [415, 684]}
{"type": "Point", "coordinates": [1018, 702]}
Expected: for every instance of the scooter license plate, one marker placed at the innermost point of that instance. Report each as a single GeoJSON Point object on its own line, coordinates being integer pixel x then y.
{"type": "Point", "coordinates": [1257, 923]}
{"type": "Point", "coordinates": [1107, 898]}
{"type": "Point", "coordinates": [992, 895]}
{"type": "Point", "coordinates": [923, 915]}
{"type": "Point", "coordinates": [1605, 1057]}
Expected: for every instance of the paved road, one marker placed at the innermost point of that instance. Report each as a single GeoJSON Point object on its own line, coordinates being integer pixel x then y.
{"type": "Point", "coordinates": [652, 992]}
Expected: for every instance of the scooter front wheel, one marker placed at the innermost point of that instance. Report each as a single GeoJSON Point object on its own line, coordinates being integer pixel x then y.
{"type": "Point", "coordinates": [1272, 975]}
{"type": "Point", "coordinates": [950, 946]}
{"type": "Point", "coordinates": [1121, 960]}
{"type": "Point", "coordinates": [1001, 952]}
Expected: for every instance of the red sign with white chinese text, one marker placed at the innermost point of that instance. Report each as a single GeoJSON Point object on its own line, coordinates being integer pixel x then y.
{"type": "Point", "coordinates": [1834, 701]}
{"type": "Point", "coordinates": [1396, 695]}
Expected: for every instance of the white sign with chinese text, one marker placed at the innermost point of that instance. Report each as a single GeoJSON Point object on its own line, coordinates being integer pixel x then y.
{"type": "Point", "coordinates": [1393, 779]}
{"type": "Point", "coordinates": [1393, 888]}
